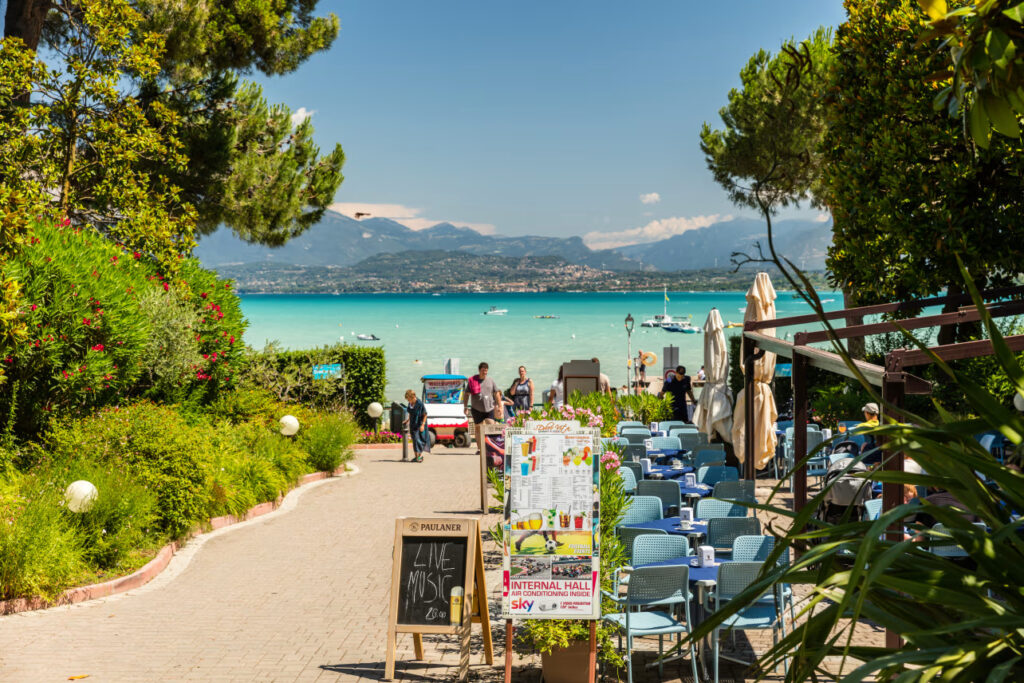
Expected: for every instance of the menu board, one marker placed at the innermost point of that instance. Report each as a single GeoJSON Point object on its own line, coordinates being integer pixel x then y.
{"type": "Point", "coordinates": [552, 514]}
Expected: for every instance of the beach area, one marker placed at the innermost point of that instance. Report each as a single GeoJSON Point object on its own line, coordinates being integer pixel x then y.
{"type": "Point", "coordinates": [419, 331]}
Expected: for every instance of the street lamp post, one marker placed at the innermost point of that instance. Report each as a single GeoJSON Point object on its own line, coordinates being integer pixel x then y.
{"type": "Point", "coordinates": [629, 352]}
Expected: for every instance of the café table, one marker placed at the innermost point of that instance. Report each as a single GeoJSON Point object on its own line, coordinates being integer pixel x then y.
{"type": "Point", "coordinates": [669, 472]}
{"type": "Point", "coordinates": [662, 456]}
{"type": "Point", "coordinates": [671, 525]}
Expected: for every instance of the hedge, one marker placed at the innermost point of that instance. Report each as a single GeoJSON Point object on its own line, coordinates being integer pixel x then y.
{"type": "Point", "coordinates": [289, 375]}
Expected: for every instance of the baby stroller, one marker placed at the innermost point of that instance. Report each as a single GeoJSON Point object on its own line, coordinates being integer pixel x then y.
{"type": "Point", "coordinates": [843, 491]}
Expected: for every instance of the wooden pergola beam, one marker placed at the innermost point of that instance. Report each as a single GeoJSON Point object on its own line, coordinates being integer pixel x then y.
{"type": "Point", "coordinates": [898, 359]}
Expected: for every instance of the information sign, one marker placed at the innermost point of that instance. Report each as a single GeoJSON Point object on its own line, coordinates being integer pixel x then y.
{"type": "Point", "coordinates": [327, 371]}
{"type": "Point", "coordinates": [552, 518]}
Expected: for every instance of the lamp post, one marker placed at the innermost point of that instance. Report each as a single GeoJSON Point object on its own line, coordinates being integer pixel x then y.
{"type": "Point", "coordinates": [375, 410]}
{"type": "Point", "coordinates": [629, 352]}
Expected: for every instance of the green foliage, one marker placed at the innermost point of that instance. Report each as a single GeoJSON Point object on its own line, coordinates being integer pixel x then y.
{"type": "Point", "coordinates": [157, 446]}
{"type": "Point", "coordinates": [598, 403]}
{"type": "Point", "coordinates": [985, 65]}
{"type": "Point", "coordinates": [39, 553]}
{"type": "Point", "coordinates": [121, 520]}
{"type": "Point", "coordinates": [289, 376]}
{"type": "Point", "coordinates": [907, 193]}
{"type": "Point", "coordinates": [545, 635]}
{"type": "Point", "coordinates": [170, 355]}
{"type": "Point", "coordinates": [646, 408]}
{"type": "Point", "coordinates": [92, 134]}
{"type": "Point", "coordinates": [328, 441]}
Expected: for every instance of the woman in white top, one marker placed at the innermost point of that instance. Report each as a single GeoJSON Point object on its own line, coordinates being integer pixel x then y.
{"type": "Point", "coordinates": [556, 394]}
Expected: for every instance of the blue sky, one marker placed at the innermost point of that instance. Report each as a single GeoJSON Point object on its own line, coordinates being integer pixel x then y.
{"type": "Point", "coordinates": [550, 118]}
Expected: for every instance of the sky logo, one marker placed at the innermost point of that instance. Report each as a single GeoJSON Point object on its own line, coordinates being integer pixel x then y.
{"type": "Point", "coordinates": [525, 605]}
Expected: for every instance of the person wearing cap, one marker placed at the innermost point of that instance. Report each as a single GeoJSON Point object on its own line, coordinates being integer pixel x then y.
{"type": "Point", "coordinates": [678, 385]}
{"type": "Point", "coordinates": [870, 411]}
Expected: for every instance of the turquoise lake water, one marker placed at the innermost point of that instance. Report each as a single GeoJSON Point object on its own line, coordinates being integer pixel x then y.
{"type": "Point", "coordinates": [419, 331]}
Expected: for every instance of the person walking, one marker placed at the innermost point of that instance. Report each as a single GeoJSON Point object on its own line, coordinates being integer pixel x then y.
{"type": "Point", "coordinates": [483, 399]}
{"type": "Point", "coordinates": [521, 391]}
{"type": "Point", "coordinates": [678, 385]}
{"type": "Point", "coordinates": [604, 384]}
{"type": "Point", "coordinates": [417, 421]}
{"type": "Point", "coordinates": [556, 394]}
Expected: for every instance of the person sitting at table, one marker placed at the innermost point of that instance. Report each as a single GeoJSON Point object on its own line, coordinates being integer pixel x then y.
{"type": "Point", "coordinates": [870, 411]}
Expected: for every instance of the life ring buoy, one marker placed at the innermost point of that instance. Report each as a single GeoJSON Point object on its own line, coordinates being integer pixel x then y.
{"type": "Point", "coordinates": [649, 358]}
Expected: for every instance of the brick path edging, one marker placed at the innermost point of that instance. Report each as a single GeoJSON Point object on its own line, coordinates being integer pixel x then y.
{"type": "Point", "coordinates": [151, 569]}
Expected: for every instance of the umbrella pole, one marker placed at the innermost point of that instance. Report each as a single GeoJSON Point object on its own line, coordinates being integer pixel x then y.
{"type": "Point", "coordinates": [748, 408]}
{"type": "Point", "coordinates": [799, 430]}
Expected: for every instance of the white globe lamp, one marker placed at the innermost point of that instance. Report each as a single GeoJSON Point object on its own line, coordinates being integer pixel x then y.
{"type": "Point", "coordinates": [1018, 402]}
{"type": "Point", "coordinates": [289, 425]}
{"type": "Point", "coordinates": [80, 496]}
{"type": "Point", "coordinates": [375, 410]}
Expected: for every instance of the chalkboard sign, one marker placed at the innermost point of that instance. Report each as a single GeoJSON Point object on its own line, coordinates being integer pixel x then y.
{"type": "Point", "coordinates": [431, 567]}
{"type": "Point", "coordinates": [437, 585]}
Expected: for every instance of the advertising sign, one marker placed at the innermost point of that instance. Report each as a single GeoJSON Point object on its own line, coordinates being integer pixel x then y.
{"type": "Point", "coordinates": [552, 520]}
{"type": "Point", "coordinates": [326, 371]}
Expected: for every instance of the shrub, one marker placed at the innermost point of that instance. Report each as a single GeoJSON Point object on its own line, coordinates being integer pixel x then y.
{"type": "Point", "coordinates": [39, 552]}
{"type": "Point", "coordinates": [328, 441]}
{"type": "Point", "coordinates": [122, 519]}
{"type": "Point", "coordinates": [383, 436]}
{"type": "Point", "coordinates": [171, 354]}
{"type": "Point", "coordinates": [246, 403]}
{"type": "Point", "coordinates": [158, 448]}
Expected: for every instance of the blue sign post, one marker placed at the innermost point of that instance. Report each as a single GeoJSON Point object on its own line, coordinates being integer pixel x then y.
{"type": "Point", "coordinates": [327, 371]}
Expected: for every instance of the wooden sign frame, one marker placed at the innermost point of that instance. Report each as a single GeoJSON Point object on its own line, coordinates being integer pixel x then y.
{"type": "Point", "coordinates": [474, 601]}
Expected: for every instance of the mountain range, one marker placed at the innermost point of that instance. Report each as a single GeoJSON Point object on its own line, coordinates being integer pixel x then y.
{"type": "Point", "coordinates": [339, 240]}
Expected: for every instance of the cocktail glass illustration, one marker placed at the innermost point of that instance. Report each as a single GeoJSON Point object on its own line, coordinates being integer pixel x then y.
{"type": "Point", "coordinates": [578, 521]}
{"type": "Point", "coordinates": [526, 448]}
{"type": "Point", "coordinates": [576, 457]}
{"type": "Point", "coordinates": [535, 521]}
{"type": "Point", "coordinates": [524, 468]}
{"type": "Point", "coordinates": [563, 519]}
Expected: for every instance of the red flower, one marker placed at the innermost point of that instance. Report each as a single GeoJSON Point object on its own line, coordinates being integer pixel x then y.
{"type": "Point", "coordinates": [113, 259]}
{"type": "Point", "coordinates": [136, 255]}
{"type": "Point", "coordinates": [98, 347]}
{"type": "Point", "coordinates": [167, 287]}
{"type": "Point", "coordinates": [95, 274]}
{"type": "Point", "coordinates": [8, 360]}
{"type": "Point", "coordinates": [203, 295]}
{"type": "Point", "coordinates": [232, 340]}
{"type": "Point", "coordinates": [33, 307]}
{"type": "Point", "coordinates": [87, 321]}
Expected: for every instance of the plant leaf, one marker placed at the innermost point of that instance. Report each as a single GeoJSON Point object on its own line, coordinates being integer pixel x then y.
{"type": "Point", "coordinates": [1016, 13]}
{"type": "Point", "coordinates": [1002, 117]}
{"type": "Point", "coordinates": [935, 9]}
{"type": "Point", "coordinates": [978, 122]}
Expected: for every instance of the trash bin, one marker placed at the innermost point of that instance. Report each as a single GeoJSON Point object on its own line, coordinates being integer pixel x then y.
{"type": "Point", "coordinates": [397, 417]}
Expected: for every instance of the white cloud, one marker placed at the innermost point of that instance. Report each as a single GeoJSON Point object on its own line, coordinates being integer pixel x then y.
{"type": "Point", "coordinates": [652, 232]}
{"type": "Point", "coordinates": [650, 198]}
{"type": "Point", "coordinates": [406, 215]}
{"type": "Point", "coordinates": [300, 115]}
{"type": "Point", "coordinates": [823, 217]}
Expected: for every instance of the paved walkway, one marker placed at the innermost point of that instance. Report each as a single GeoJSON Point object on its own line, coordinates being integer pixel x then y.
{"type": "Point", "coordinates": [300, 596]}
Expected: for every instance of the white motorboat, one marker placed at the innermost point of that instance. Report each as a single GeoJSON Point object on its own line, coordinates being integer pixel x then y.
{"type": "Point", "coordinates": [494, 310]}
{"type": "Point", "coordinates": [368, 337]}
{"type": "Point", "coordinates": [684, 327]}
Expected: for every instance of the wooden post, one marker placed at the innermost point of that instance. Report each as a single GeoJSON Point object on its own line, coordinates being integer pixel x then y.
{"type": "Point", "coordinates": [747, 356]}
{"type": "Point", "coordinates": [509, 628]}
{"type": "Point", "coordinates": [799, 429]}
{"type": "Point", "coordinates": [893, 390]}
{"type": "Point", "coordinates": [592, 654]}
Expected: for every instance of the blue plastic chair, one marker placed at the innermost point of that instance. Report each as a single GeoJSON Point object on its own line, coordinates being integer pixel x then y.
{"type": "Point", "coordinates": [635, 436]}
{"type": "Point", "coordinates": [690, 442]}
{"type": "Point", "coordinates": [733, 579]}
{"type": "Point", "coordinates": [628, 480]}
{"type": "Point", "coordinates": [628, 535]}
{"type": "Point", "coordinates": [668, 425]}
{"type": "Point", "coordinates": [722, 531]}
{"type": "Point", "coordinates": [653, 548]}
{"type": "Point", "coordinates": [666, 443]}
{"type": "Point", "coordinates": [633, 452]}
{"type": "Point", "coordinates": [755, 548]}
{"type": "Point", "coordinates": [648, 587]}
{"type": "Point", "coordinates": [714, 474]}
{"type": "Point", "coordinates": [636, 468]}
{"type": "Point", "coordinates": [708, 458]}
{"type": "Point", "coordinates": [641, 509]}
{"type": "Point", "coordinates": [627, 423]}
{"type": "Point", "coordinates": [666, 491]}
{"type": "Point", "coordinates": [743, 489]}
{"type": "Point", "coordinates": [712, 508]}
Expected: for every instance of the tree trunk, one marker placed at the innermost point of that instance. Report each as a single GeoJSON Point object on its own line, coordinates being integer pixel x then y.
{"type": "Point", "coordinates": [24, 19]}
{"type": "Point", "coordinates": [857, 348]}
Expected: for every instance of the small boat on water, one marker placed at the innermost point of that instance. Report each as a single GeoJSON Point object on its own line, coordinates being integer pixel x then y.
{"type": "Point", "coordinates": [732, 324]}
{"type": "Point", "coordinates": [546, 317]}
{"type": "Point", "coordinates": [684, 327]}
{"type": "Point", "coordinates": [663, 318]}
{"type": "Point", "coordinates": [494, 310]}
{"type": "Point", "coordinates": [368, 337]}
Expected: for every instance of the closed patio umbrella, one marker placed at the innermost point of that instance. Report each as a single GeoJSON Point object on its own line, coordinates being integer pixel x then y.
{"type": "Point", "coordinates": [714, 407]}
{"type": "Point", "coordinates": [760, 306]}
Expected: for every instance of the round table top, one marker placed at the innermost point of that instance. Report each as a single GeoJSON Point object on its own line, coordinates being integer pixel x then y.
{"type": "Point", "coordinates": [671, 525]}
{"type": "Point", "coordinates": [709, 574]}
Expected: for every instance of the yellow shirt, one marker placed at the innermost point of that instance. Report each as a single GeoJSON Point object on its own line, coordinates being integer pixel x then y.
{"type": "Point", "coordinates": [868, 424]}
